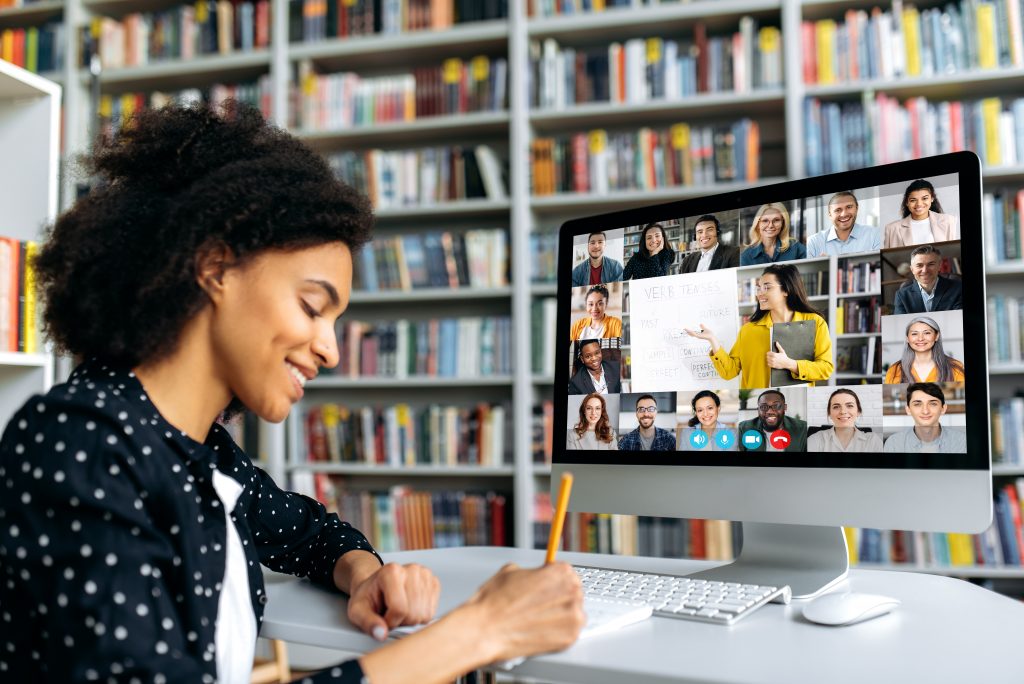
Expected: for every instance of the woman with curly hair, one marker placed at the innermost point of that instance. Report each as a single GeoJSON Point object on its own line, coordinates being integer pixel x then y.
{"type": "Point", "coordinates": [596, 324]}
{"type": "Point", "coordinates": [594, 429]}
{"type": "Point", "coordinates": [205, 275]}
{"type": "Point", "coordinates": [924, 359]}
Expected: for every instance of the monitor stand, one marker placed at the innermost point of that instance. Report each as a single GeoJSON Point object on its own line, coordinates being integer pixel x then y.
{"type": "Point", "coordinates": [808, 558]}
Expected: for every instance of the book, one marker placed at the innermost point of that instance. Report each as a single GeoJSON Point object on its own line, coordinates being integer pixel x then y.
{"type": "Point", "coordinates": [797, 339]}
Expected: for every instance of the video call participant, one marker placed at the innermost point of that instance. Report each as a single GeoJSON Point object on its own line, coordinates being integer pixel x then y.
{"type": "Point", "coordinates": [771, 416]}
{"type": "Point", "coordinates": [594, 429]}
{"type": "Point", "coordinates": [647, 436]}
{"type": "Point", "coordinates": [595, 374]}
{"type": "Point", "coordinates": [706, 406]}
{"type": "Point", "coordinates": [846, 236]}
{"type": "Point", "coordinates": [844, 436]}
{"type": "Point", "coordinates": [780, 299]}
{"type": "Point", "coordinates": [922, 219]}
{"type": "Point", "coordinates": [926, 404]}
{"type": "Point", "coordinates": [713, 254]}
{"type": "Point", "coordinates": [928, 291]}
{"type": "Point", "coordinates": [923, 358]}
{"type": "Point", "coordinates": [596, 324]}
{"type": "Point", "coordinates": [598, 268]}
{"type": "Point", "coordinates": [769, 238]}
{"type": "Point", "coordinates": [654, 256]}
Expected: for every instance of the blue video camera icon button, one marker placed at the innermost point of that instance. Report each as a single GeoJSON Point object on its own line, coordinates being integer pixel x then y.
{"type": "Point", "coordinates": [752, 439]}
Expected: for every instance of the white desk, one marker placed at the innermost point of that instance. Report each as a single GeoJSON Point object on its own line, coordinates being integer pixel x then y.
{"type": "Point", "coordinates": [947, 630]}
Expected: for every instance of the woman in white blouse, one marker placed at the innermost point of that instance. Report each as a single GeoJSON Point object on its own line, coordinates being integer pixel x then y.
{"type": "Point", "coordinates": [844, 436]}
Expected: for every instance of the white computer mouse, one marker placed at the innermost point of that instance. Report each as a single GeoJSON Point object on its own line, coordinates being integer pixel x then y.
{"type": "Point", "coordinates": [838, 609]}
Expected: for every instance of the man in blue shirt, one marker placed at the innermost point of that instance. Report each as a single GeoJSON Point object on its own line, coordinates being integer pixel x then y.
{"type": "Point", "coordinates": [926, 404]}
{"type": "Point", "coordinates": [647, 437]}
{"type": "Point", "coordinates": [598, 268]}
{"type": "Point", "coordinates": [846, 236]}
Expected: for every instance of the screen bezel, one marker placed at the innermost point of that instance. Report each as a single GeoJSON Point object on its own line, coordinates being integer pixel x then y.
{"type": "Point", "coordinates": [968, 167]}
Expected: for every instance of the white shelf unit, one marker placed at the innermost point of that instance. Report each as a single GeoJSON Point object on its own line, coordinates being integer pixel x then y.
{"type": "Point", "coordinates": [29, 140]}
{"type": "Point", "coordinates": [522, 213]}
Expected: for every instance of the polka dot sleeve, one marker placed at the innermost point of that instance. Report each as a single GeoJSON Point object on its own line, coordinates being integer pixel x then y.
{"type": "Point", "coordinates": [295, 534]}
{"type": "Point", "coordinates": [87, 590]}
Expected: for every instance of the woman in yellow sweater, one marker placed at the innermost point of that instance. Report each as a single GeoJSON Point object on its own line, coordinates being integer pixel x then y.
{"type": "Point", "coordinates": [923, 358]}
{"type": "Point", "coordinates": [781, 298]}
{"type": "Point", "coordinates": [596, 324]}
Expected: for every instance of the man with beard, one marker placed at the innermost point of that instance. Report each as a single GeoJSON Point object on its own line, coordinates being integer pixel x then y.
{"type": "Point", "coordinates": [928, 291]}
{"type": "Point", "coordinates": [596, 374]}
{"type": "Point", "coordinates": [773, 430]}
{"type": "Point", "coordinates": [845, 236]}
{"type": "Point", "coordinates": [598, 268]}
{"type": "Point", "coordinates": [647, 437]}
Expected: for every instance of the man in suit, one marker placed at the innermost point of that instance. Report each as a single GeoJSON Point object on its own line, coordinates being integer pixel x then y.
{"type": "Point", "coordinates": [596, 374]}
{"type": "Point", "coordinates": [713, 254]}
{"type": "Point", "coordinates": [928, 291]}
{"type": "Point", "coordinates": [598, 268]}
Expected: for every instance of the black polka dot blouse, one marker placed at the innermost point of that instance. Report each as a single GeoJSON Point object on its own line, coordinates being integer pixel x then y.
{"type": "Point", "coordinates": [112, 538]}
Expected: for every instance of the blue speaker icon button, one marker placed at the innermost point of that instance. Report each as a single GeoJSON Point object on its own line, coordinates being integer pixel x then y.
{"type": "Point", "coordinates": [725, 439]}
{"type": "Point", "coordinates": [752, 439]}
{"type": "Point", "coordinates": [699, 439]}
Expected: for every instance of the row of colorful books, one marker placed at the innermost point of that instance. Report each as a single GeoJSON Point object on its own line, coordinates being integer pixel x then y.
{"type": "Point", "coordinates": [1008, 431]}
{"type": "Point", "coordinates": [401, 178]}
{"type": "Point", "coordinates": [857, 277]}
{"type": "Point", "coordinates": [19, 315]}
{"type": "Point", "coordinates": [36, 48]}
{"type": "Point", "coordinates": [404, 519]}
{"type": "Point", "coordinates": [543, 256]}
{"type": "Point", "coordinates": [881, 130]}
{"type": "Point", "coordinates": [861, 357]}
{"type": "Point", "coordinates": [649, 69]}
{"type": "Point", "coordinates": [404, 435]}
{"type": "Point", "coordinates": [543, 320]}
{"type": "Point", "coordinates": [114, 110]}
{"type": "Point", "coordinates": [632, 535]}
{"type": "Point", "coordinates": [474, 259]}
{"type": "Point", "coordinates": [906, 41]}
{"type": "Point", "coordinates": [204, 28]}
{"type": "Point", "coordinates": [346, 99]}
{"type": "Point", "coordinates": [858, 316]}
{"type": "Point", "coordinates": [542, 431]}
{"type": "Point", "coordinates": [646, 159]}
{"type": "Point", "coordinates": [1005, 328]}
{"type": "Point", "coordinates": [468, 347]}
{"type": "Point", "coordinates": [554, 8]}
{"type": "Point", "coordinates": [1003, 213]}
{"type": "Point", "coordinates": [313, 20]}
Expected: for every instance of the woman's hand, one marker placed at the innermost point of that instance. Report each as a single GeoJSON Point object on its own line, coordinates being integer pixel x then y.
{"type": "Point", "coordinates": [525, 612]}
{"type": "Point", "coordinates": [780, 360]}
{"type": "Point", "coordinates": [394, 595]}
{"type": "Point", "coordinates": [704, 333]}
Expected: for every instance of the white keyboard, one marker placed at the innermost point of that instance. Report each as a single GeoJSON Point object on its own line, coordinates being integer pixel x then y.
{"type": "Point", "coordinates": [721, 603]}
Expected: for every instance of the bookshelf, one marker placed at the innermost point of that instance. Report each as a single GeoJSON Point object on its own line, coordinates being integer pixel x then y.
{"type": "Point", "coordinates": [779, 109]}
{"type": "Point", "coordinates": [29, 137]}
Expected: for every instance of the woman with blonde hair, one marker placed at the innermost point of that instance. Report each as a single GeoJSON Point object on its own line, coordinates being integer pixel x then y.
{"type": "Point", "coordinates": [769, 238]}
{"type": "Point", "coordinates": [923, 358]}
{"type": "Point", "coordinates": [594, 429]}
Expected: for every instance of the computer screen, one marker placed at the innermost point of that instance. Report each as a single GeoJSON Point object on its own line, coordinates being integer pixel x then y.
{"type": "Point", "coordinates": [824, 338]}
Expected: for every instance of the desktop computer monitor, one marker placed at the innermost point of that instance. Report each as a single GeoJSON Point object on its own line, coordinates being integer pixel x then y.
{"type": "Point", "coordinates": [793, 356]}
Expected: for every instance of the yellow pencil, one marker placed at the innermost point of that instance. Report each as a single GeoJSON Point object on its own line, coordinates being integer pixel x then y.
{"type": "Point", "coordinates": [556, 522]}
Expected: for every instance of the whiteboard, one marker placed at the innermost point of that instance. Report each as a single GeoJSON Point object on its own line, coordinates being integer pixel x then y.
{"type": "Point", "coordinates": [663, 356]}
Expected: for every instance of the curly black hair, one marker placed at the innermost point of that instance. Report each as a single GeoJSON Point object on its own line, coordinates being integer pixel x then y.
{"type": "Point", "coordinates": [117, 272]}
